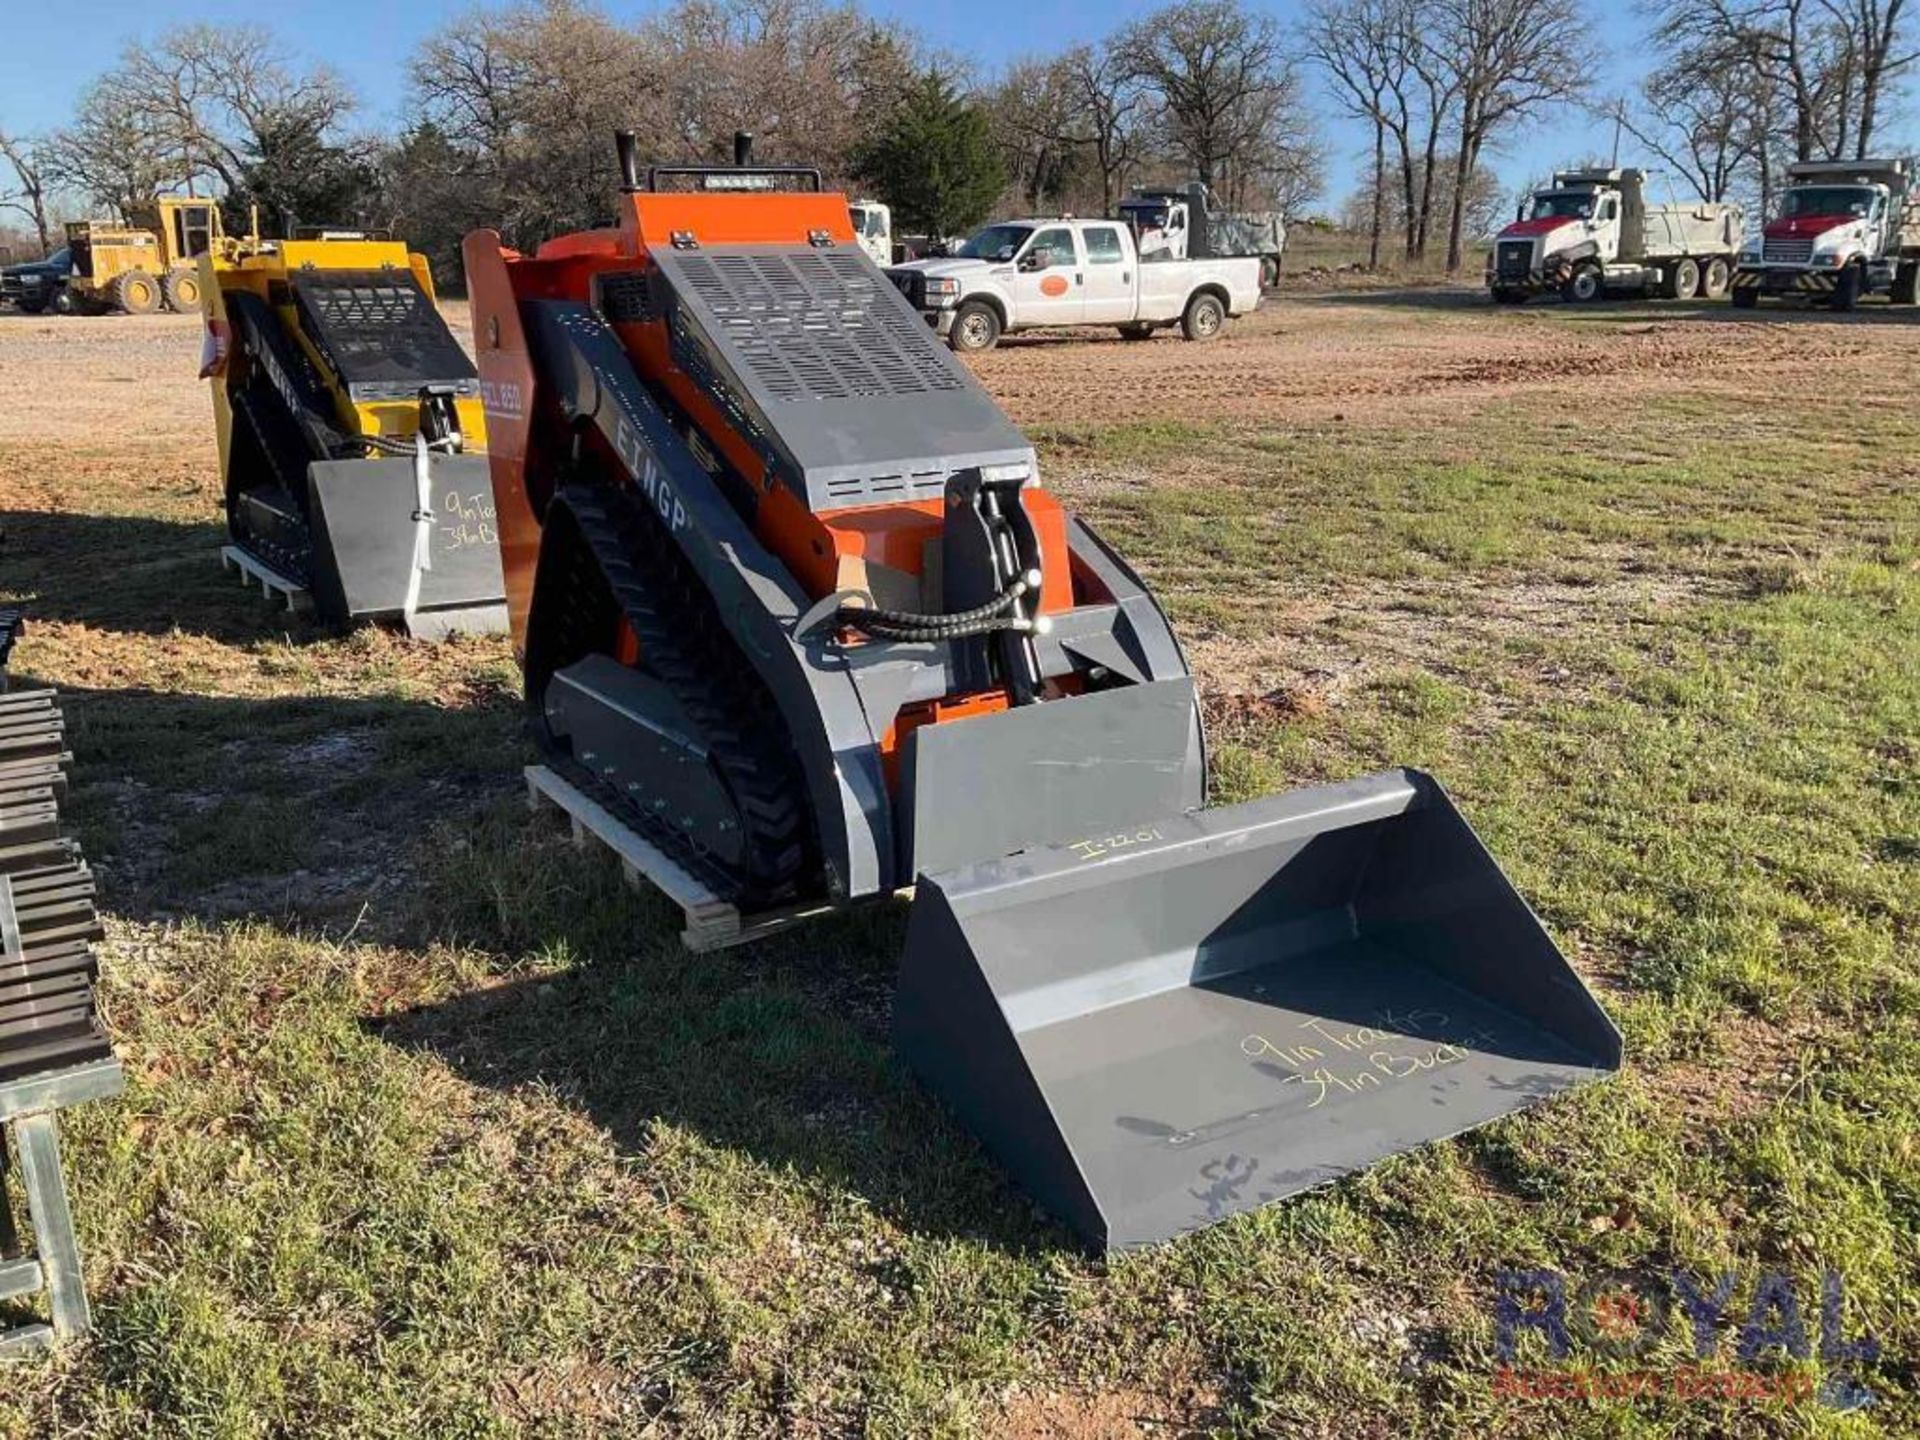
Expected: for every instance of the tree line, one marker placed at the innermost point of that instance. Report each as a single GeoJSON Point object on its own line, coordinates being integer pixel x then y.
{"type": "Point", "coordinates": [510, 108]}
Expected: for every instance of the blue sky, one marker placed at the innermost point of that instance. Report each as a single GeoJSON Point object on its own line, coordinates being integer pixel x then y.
{"type": "Point", "coordinates": [43, 69]}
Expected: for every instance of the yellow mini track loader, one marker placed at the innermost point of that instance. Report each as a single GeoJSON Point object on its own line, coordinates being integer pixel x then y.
{"type": "Point", "coordinates": [352, 442]}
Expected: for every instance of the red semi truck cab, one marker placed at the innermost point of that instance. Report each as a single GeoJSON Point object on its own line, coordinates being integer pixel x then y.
{"type": "Point", "coordinates": [1845, 228]}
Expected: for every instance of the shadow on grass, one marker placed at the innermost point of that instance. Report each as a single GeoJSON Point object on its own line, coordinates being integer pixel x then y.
{"type": "Point", "coordinates": [778, 1052]}
{"type": "Point", "coordinates": [298, 810]}
{"type": "Point", "coordinates": [1464, 298]}
{"type": "Point", "coordinates": [140, 576]}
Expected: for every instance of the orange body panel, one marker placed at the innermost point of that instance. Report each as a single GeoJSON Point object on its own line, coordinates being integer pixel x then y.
{"type": "Point", "coordinates": [823, 551]}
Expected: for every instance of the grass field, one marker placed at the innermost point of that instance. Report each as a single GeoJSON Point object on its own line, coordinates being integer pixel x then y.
{"type": "Point", "coordinates": [433, 1130]}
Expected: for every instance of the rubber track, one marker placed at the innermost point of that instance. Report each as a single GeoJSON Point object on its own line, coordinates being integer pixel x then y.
{"type": "Point", "coordinates": [684, 645]}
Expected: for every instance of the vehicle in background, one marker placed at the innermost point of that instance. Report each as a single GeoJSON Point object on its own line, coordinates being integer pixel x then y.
{"type": "Point", "coordinates": [1846, 228]}
{"type": "Point", "coordinates": [873, 226]}
{"type": "Point", "coordinates": [1592, 232]}
{"type": "Point", "coordinates": [137, 267]}
{"type": "Point", "coordinates": [37, 285]}
{"type": "Point", "coordinates": [1023, 274]}
{"type": "Point", "coordinates": [1187, 223]}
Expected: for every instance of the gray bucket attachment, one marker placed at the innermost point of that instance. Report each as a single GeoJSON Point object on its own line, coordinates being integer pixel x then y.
{"type": "Point", "coordinates": [1159, 1028]}
{"type": "Point", "coordinates": [362, 516]}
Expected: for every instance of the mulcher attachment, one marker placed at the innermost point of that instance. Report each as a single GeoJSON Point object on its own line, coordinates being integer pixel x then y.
{"type": "Point", "coordinates": [1161, 1027]}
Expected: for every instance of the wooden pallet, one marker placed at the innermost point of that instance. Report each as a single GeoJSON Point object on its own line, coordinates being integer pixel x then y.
{"type": "Point", "coordinates": [711, 922]}
{"type": "Point", "coordinates": [272, 583]}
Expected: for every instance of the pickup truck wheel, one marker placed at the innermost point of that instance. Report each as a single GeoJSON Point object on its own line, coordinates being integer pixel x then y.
{"type": "Point", "coordinates": [1136, 331]}
{"type": "Point", "coordinates": [1906, 284]}
{"type": "Point", "coordinates": [1846, 290]}
{"type": "Point", "coordinates": [1584, 285]}
{"type": "Point", "coordinates": [32, 305]}
{"type": "Point", "coordinates": [976, 326]}
{"type": "Point", "coordinates": [1713, 279]}
{"type": "Point", "coordinates": [1205, 318]}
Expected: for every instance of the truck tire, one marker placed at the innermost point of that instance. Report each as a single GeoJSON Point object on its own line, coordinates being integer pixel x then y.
{"type": "Point", "coordinates": [1906, 284]}
{"type": "Point", "coordinates": [1585, 285]}
{"type": "Point", "coordinates": [135, 293]}
{"type": "Point", "coordinates": [32, 305]}
{"type": "Point", "coordinates": [1269, 272]}
{"type": "Point", "coordinates": [63, 302]}
{"type": "Point", "coordinates": [1714, 278]}
{"type": "Point", "coordinates": [1746, 297]}
{"type": "Point", "coordinates": [976, 326]}
{"type": "Point", "coordinates": [182, 289]}
{"type": "Point", "coordinates": [1205, 317]}
{"type": "Point", "coordinates": [1846, 290]}
{"type": "Point", "coordinates": [1136, 331]}
{"type": "Point", "coordinates": [1681, 279]}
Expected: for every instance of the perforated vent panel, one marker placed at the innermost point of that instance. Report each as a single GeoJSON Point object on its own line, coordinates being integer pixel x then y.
{"type": "Point", "coordinates": [828, 367]}
{"type": "Point", "coordinates": [380, 332]}
{"type": "Point", "coordinates": [818, 325]}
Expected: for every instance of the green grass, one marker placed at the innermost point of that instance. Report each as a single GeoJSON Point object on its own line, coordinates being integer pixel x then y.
{"type": "Point", "coordinates": [475, 1149]}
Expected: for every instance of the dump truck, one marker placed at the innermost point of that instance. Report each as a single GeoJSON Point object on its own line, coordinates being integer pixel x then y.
{"type": "Point", "coordinates": [144, 264]}
{"type": "Point", "coordinates": [1592, 233]}
{"type": "Point", "coordinates": [1186, 222]}
{"type": "Point", "coordinates": [351, 434]}
{"type": "Point", "coordinates": [800, 627]}
{"type": "Point", "coordinates": [1845, 228]}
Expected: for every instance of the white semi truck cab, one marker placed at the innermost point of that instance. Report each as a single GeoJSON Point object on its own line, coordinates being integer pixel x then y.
{"type": "Point", "coordinates": [873, 224]}
{"type": "Point", "coordinates": [1845, 228]}
{"type": "Point", "coordinates": [1592, 232]}
{"type": "Point", "coordinates": [1187, 223]}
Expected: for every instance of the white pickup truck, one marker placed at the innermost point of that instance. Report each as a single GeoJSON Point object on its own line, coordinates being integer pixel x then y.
{"type": "Point", "coordinates": [1024, 274]}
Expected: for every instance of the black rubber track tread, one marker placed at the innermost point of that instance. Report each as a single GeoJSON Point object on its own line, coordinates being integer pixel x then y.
{"type": "Point", "coordinates": [636, 564]}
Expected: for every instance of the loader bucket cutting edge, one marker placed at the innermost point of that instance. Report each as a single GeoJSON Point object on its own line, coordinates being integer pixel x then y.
{"type": "Point", "coordinates": [1158, 1029]}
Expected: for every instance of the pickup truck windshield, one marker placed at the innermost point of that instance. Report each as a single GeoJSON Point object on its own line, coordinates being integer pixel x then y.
{"type": "Point", "coordinates": [1826, 200]}
{"type": "Point", "coordinates": [1563, 205]}
{"type": "Point", "coordinates": [996, 242]}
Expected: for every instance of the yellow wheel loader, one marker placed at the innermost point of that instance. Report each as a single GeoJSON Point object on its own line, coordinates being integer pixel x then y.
{"type": "Point", "coordinates": [352, 442]}
{"type": "Point", "coordinates": [801, 627]}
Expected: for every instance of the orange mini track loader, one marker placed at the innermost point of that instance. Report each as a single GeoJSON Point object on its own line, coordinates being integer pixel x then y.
{"type": "Point", "coordinates": [800, 623]}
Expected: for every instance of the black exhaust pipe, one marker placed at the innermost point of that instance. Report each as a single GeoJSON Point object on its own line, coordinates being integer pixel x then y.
{"type": "Point", "coordinates": [742, 148]}
{"type": "Point", "coordinates": [627, 143]}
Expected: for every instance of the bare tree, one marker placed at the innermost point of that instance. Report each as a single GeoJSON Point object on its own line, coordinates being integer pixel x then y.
{"type": "Point", "coordinates": [1228, 94]}
{"type": "Point", "coordinates": [1109, 107]}
{"type": "Point", "coordinates": [1356, 44]}
{"type": "Point", "coordinates": [28, 193]}
{"type": "Point", "coordinates": [1034, 113]}
{"type": "Point", "coordinates": [1703, 117]}
{"type": "Point", "coordinates": [1508, 59]}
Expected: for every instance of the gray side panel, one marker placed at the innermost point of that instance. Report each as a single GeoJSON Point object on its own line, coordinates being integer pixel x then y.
{"type": "Point", "coordinates": [819, 703]}
{"type": "Point", "coordinates": [832, 373]}
{"type": "Point", "coordinates": [984, 787]}
{"type": "Point", "coordinates": [362, 513]}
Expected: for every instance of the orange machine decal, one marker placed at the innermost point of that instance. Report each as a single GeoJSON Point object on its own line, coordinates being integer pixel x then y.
{"type": "Point", "coordinates": [1054, 285]}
